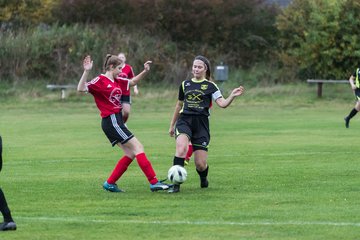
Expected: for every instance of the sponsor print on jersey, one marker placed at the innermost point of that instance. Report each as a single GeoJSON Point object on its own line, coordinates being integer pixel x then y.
{"type": "Point", "coordinates": [115, 97]}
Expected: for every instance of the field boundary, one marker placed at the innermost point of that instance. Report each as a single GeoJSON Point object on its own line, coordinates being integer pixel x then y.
{"type": "Point", "coordinates": [227, 223]}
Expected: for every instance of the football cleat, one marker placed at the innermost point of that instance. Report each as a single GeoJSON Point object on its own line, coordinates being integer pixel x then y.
{"type": "Point", "coordinates": [204, 183]}
{"type": "Point", "coordinates": [174, 189]}
{"type": "Point", "coordinates": [111, 187]}
{"type": "Point", "coordinates": [6, 226]}
{"type": "Point", "coordinates": [158, 186]}
{"type": "Point", "coordinates": [347, 121]}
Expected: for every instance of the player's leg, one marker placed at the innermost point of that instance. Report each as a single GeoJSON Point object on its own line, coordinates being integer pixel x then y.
{"type": "Point", "coordinates": [117, 133]}
{"type": "Point", "coordinates": [118, 171]}
{"type": "Point", "coordinates": [145, 165]}
{"type": "Point", "coordinates": [126, 107]}
{"type": "Point", "coordinates": [183, 134]}
{"type": "Point", "coordinates": [200, 141]}
{"type": "Point", "coordinates": [202, 168]}
{"type": "Point", "coordinates": [8, 223]}
{"type": "Point", "coordinates": [355, 110]}
{"type": "Point", "coordinates": [188, 154]}
{"type": "Point", "coordinates": [352, 113]}
{"type": "Point", "coordinates": [182, 143]}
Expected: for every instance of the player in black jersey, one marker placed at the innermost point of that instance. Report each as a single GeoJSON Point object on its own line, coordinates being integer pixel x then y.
{"type": "Point", "coordinates": [354, 81]}
{"type": "Point", "coordinates": [190, 121]}
{"type": "Point", "coordinates": [8, 223]}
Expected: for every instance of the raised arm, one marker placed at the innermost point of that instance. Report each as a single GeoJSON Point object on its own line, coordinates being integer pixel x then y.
{"type": "Point", "coordinates": [178, 106]}
{"type": "Point", "coordinates": [140, 76]}
{"type": "Point", "coordinates": [223, 103]}
{"type": "Point", "coordinates": [352, 83]}
{"type": "Point", "coordinates": [87, 64]}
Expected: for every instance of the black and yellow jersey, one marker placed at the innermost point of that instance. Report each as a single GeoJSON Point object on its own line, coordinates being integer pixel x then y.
{"type": "Point", "coordinates": [197, 96]}
{"type": "Point", "coordinates": [356, 76]}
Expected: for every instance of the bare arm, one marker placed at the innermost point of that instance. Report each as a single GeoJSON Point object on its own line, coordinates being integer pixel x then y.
{"type": "Point", "coordinates": [136, 90]}
{"type": "Point", "coordinates": [87, 64]}
{"type": "Point", "coordinates": [223, 103]}
{"type": "Point", "coordinates": [351, 81]}
{"type": "Point", "coordinates": [178, 106]}
{"type": "Point", "coordinates": [141, 75]}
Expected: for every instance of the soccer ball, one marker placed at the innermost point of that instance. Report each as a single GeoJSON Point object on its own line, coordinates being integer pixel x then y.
{"type": "Point", "coordinates": [177, 174]}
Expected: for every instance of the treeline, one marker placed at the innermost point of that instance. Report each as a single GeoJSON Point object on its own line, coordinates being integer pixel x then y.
{"type": "Point", "coordinates": [46, 39]}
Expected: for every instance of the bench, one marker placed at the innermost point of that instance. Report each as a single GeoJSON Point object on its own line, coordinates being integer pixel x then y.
{"type": "Point", "coordinates": [320, 83]}
{"type": "Point", "coordinates": [63, 88]}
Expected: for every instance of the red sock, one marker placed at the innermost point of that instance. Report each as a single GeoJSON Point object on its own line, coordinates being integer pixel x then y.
{"type": "Point", "coordinates": [189, 152]}
{"type": "Point", "coordinates": [119, 169]}
{"type": "Point", "coordinates": [146, 167]}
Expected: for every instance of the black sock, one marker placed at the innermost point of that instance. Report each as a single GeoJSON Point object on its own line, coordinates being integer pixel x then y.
{"type": "Point", "coordinates": [204, 173]}
{"type": "Point", "coordinates": [4, 208]}
{"type": "Point", "coordinates": [352, 113]}
{"type": "Point", "coordinates": [179, 161]}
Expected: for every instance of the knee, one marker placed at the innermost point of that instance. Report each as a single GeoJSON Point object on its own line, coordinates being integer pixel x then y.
{"type": "Point", "coordinates": [201, 165]}
{"type": "Point", "coordinates": [139, 148]}
{"type": "Point", "coordinates": [181, 149]}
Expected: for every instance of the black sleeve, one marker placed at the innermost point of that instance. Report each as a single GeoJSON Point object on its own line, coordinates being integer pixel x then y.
{"type": "Point", "coordinates": [0, 153]}
{"type": "Point", "coordinates": [181, 93]}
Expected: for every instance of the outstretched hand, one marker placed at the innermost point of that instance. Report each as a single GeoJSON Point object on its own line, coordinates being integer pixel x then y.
{"type": "Point", "coordinates": [147, 66]}
{"type": "Point", "coordinates": [238, 91]}
{"type": "Point", "coordinates": [171, 132]}
{"type": "Point", "coordinates": [87, 63]}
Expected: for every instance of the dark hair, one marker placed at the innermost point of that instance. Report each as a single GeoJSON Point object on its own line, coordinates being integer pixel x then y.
{"type": "Point", "coordinates": [111, 60]}
{"type": "Point", "coordinates": [207, 63]}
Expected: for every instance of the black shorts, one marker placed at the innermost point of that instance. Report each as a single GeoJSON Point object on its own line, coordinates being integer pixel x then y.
{"type": "Point", "coordinates": [196, 127]}
{"type": "Point", "coordinates": [125, 99]}
{"type": "Point", "coordinates": [357, 94]}
{"type": "Point", "coordinates": [115, 129]}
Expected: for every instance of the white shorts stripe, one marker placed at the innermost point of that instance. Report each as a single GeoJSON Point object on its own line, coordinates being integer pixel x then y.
{"type": "Point", "coordinates": [117, 127]}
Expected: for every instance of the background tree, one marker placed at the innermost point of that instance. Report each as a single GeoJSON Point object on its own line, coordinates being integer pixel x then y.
{"type": "Point", "coordinates": [319, 38]}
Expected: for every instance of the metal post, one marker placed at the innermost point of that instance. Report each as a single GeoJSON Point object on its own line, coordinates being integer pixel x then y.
{"type": "Point", "coordinates": [319, 90]}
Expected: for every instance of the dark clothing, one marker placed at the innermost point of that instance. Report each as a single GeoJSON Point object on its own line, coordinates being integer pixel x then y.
{"type": "Point", "coordinates": [115, 129]}
{"type": "Point", "coordinates": [0, 153]}
{"type": "Point", "coordinates": [196, 127]}
{"type": "Point", "coordinates": [125, 99]}
{"type": "Point", "coordinates": [4, 209]}
{"type": "Point", "coordinates": [197, 96]}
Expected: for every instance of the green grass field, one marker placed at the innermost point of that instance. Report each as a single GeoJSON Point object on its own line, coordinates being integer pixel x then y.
{"type": "Point", "coordinates": [282, 166]}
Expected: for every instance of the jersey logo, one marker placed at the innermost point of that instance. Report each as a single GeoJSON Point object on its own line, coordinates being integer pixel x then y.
{"type": "Point", "coordinates": [115, 97]}
{"type": "Point", "coordinates": [194, 97]}
{"type": "Point", "coordinates": [204, 87]}
{"type": "Point", "coordinates": [109, 85]}
{"type": "Point", "coordinates": [187, 84]}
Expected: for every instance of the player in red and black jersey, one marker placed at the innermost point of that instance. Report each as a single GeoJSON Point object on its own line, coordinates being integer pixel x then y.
{"type": "Point", "coordinates": [107, 91]}
{"type": "Point", "coordinates": [126, 73]}
{"type": "Point", "coordinates": [190, 121]}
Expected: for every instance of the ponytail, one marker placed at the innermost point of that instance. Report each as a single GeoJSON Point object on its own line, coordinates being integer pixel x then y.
{"type": "Point", "coordinates": [111, 60]}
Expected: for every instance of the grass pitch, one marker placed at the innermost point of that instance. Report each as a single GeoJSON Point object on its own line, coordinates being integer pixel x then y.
{"type": "Point", "coordinates": [278, 170]}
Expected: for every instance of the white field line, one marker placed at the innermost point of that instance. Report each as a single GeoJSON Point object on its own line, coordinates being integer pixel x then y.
{"type": "Point", "coordinates": [224, 223]}
{"type": "Point", "coordinates": [210, 156]}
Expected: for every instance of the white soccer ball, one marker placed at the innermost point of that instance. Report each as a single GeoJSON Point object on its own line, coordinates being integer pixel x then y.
{"type": "Point", "coordinates": [177, 174]}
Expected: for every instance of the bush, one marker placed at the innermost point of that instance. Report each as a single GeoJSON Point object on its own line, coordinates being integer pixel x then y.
{"type": "Point", "coordinates": [319, 39]}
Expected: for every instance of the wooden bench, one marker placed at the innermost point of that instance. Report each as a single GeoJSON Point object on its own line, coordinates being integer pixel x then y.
{"type": "Point", "coordinates": [320, 83]}
{"type": "Point", "coordinates": [63, 88]}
